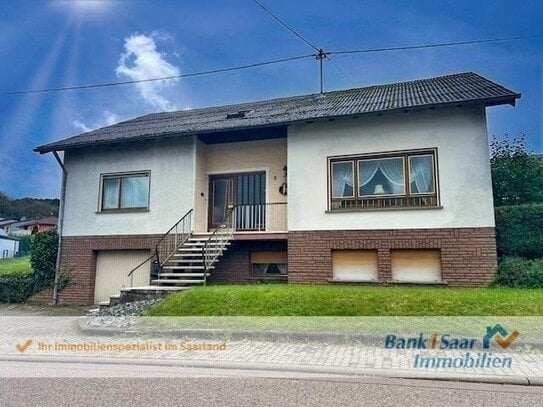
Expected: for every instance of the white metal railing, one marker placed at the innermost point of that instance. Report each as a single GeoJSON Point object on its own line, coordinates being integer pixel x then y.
{"type": "Point", "coordinates": [168, 244]}
{"type": "Point", "coordinates": [270, 217]}
{"type": "Point", "coordinates": [216, 244]}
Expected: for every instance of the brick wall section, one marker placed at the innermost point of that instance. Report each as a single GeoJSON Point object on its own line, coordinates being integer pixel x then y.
{"type": "Point", "coordinates": [78, 258]}
{"type": "Point", "coordinates": [235, 267]}
{"type": "Point", "coordinates": [468, 255]}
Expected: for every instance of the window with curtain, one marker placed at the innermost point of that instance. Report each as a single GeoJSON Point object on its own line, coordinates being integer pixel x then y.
{"type": "Point", "coordinates": [406, 179]}
{"type": "Point", "coordinates": [126, 191]}
{"type": "Point", "coordinates": [383, 176]}
{"type": "Point", "coordinates": [342, 179]}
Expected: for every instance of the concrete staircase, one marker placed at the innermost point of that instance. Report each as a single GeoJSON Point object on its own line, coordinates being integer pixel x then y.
{"type": "Point", "coordinates": [181, 271]}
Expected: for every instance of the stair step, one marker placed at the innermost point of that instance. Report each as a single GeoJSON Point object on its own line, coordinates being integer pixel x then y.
{"type": "Point", "coordinates": [183, 275]}
{"type": "Point", "coordinates": [200, 260]}
{"type": "Point", "coordinates": [104, 303]}
{"type": "Point", "coordinates": [156, 288]}
{"type": "Point", "coordinates": [186, 267]}
{"type": "Point", "coordinates": [177, 281]}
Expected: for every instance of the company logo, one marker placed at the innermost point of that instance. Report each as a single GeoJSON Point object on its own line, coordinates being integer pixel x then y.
{"type": "Point", "coordinates": [449, 342]}
{"type": "Point", "coordinates": [500, 335]}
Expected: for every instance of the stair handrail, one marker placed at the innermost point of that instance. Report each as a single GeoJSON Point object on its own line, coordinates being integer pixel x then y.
{"type": "Point", "coordinates": [220, 238]}
{"type": "Point", "coordinates": [130, 274]}
{"type": "Point", "coordinates": [179, 234]}
{"type": "Point", "coordinates": [171, 248]}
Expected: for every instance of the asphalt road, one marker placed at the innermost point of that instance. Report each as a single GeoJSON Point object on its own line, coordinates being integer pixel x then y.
{"type": "Point", "coordinates": [73, 384]}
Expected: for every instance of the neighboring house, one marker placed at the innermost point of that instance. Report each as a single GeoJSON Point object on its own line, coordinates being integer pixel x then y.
{"type": "Point", "coordinates": [7, 224]}
{"type": "Point", "coordinates": [9, 246]}
{"type": "Point", "coordinates": [31, 227]}
{"type": "Point", "coordinates": [383, 184]}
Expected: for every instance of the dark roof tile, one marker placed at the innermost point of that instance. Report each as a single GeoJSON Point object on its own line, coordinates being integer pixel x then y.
{"type": "Point", "coordinates": [458, 88]}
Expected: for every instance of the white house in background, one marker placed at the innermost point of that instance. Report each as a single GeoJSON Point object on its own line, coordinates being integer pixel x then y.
{"type": "Point", "coordinates": [386, 184]}
{"type": "Point", "coordinates": [9, 246]}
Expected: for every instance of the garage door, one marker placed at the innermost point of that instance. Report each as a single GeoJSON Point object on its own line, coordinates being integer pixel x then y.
{"type": "Point", "coordinates": [112, 267]}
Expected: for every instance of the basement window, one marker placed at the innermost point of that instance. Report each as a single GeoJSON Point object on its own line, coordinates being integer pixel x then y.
{"type": "Point", "coordinates": [416, 266]}
{"type": "Point", "coordinates": [354, 265]}
{"type": "Point", "coordinates": [270, 264]}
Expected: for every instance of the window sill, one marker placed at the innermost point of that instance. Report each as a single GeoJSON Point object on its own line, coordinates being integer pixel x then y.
{"type": "Point", "coordinates": [336, 281]}
{"type": "Point", "coordinates": [405, 208]}
{"type": "Point", "coordinates": [132, 210]}
{"type": "Point", "coordinates": [414, 282]}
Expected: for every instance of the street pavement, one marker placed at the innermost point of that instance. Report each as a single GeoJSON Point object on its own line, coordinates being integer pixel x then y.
{"type": "Point", "coordinates": [132, 385]}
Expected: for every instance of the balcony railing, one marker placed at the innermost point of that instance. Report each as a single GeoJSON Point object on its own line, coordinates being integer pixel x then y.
{"type": "Point", "coordinates": [266, 217]}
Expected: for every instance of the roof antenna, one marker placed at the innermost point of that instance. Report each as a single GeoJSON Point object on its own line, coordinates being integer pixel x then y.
{"type": "Point", "coordinates": [320, 56]}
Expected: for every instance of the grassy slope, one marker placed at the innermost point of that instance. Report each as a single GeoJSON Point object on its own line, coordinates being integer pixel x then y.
{"type": "Point", "coordinates": [322, 300]}
{"type": "Point", "coordinates": [19, 266]}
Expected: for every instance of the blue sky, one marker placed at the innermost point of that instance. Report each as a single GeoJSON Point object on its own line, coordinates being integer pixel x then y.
{"type": "Point", "coordinates": [59, 43]}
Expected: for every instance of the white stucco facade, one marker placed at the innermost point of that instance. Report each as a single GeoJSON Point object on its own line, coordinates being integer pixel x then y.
{"type": "Point", "coordinates": [172, 166]}
{"type": "Point", "coordinates": [459, 135]}
{"type": "Point", "coordinates": [180, 168]}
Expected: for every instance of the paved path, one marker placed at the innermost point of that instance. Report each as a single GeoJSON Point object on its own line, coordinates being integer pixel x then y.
{"type": "Point", "coordinates": [59, 339]}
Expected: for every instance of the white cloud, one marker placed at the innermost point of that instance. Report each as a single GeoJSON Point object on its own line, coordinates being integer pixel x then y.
{"type": "Point", "coordinates": [142, 60]}
{"type": "Point", "coordinates": [81, 126]}
{"type": "Point", "coordinates": [108, 119]}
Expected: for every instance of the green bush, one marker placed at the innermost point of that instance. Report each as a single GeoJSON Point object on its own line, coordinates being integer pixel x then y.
{"type": "Point", "coordinates": [44, 254]}
{"type": "Point", "coordinates": [25, 245]}
{"type": "Point", "coordinates": [17, 288]}
{"type": "Point", "coordinates": [519, 231]}
{"type": "Point", "coordinates": [518, 272]}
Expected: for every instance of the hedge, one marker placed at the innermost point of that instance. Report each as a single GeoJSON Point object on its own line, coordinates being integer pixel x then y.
{"type": "Point", "coordinates": [521, 273]}
{"type": "Point", "coordinates": [17, 288]}
{"type": "Point", "coordinates": [519, 231]}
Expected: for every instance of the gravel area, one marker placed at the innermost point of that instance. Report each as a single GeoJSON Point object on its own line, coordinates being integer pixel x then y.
{"type": "Point", "coordinates": [119, 316]}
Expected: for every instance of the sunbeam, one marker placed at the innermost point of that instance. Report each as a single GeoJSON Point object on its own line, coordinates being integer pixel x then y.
{"type": "Point", "coordinates": [14, 132]}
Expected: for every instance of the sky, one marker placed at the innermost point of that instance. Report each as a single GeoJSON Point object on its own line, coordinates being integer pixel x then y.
{"type": "Point", "coordinates": [48, 44]}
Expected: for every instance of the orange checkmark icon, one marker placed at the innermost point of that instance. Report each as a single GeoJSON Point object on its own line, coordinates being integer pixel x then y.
{"type": "Point", "coordinates": [505, 342]}
{"type": "Point", "coordinates": [21, 347]}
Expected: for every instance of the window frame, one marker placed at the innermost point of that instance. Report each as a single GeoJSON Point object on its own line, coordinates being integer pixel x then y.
{"type": "Point", "coordinates": [120, 176]}
{"type": "Point", "coordinates": [434, 175]}
{"type": "Point", "coordinates": [354, 178]}
{"type": "Point", "coordinates": [405, 155]}
{"type": "Point", "coordinates": [358, 160]}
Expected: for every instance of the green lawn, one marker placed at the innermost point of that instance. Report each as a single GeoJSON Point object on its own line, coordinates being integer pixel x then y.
{"type": "Point", "coordinates": [326, 300]}
{"type": "Point", "coordinates": [19, 266]}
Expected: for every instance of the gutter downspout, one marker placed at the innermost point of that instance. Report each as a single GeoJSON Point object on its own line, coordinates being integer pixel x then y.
{"type": "Point", "coordinates": [60, 224]}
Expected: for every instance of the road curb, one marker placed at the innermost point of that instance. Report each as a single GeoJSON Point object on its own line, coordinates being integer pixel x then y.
{"type": "Point", "coordinates": [313, 369]}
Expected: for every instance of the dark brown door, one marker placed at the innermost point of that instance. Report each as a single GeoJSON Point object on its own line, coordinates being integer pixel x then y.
{"type": "Point", "coordinates": [247, 192]}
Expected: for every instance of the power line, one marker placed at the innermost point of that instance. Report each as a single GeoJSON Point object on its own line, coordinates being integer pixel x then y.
{"type": "Point", "coordinates": [292, 30]}
{"type": "Point", "coordinates": [320, 55]}
{"type": "Point", "coordinates": [341, 71]}
{"type": "Point", "coordinates": [187, 75]}
{"type": "Point", "coordinates": [445, 44]}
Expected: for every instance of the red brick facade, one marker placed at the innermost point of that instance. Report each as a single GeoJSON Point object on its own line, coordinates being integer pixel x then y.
{"type": "Point", "coordinates": [468, 255]}
{"type": "Point", "coordinates": [78, 258]}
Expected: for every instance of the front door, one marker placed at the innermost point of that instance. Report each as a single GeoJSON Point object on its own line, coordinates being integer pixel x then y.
{"type": "Point", "coordinates": [246, 192]}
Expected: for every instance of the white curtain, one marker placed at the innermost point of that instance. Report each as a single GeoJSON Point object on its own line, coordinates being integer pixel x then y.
{"type": "Point", "coordinates": [110, 193]}
{"type": "Point", "coordinates": [135, 192]}
{"type": "Point", "coordinates": [367, 171]}
{"type": "Point", "coordinates": [342, 178]}
{"type": "Point", "coordinates": [392, 169]}
{"type": "Point", "coordinates": [421, 173]}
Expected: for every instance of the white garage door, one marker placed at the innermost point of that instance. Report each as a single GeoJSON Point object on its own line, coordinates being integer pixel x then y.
{"type": "Point", "coordinates": [112, 267]}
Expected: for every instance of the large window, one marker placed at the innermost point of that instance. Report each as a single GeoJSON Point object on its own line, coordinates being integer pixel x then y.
{"type": "Point", "coordinates": [125, 191]}
{"type": "Point", "coordinates": [406, 179]}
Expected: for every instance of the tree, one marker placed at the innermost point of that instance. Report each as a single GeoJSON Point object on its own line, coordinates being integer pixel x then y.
{"type": "Point", "coordinates": [517, 175]}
